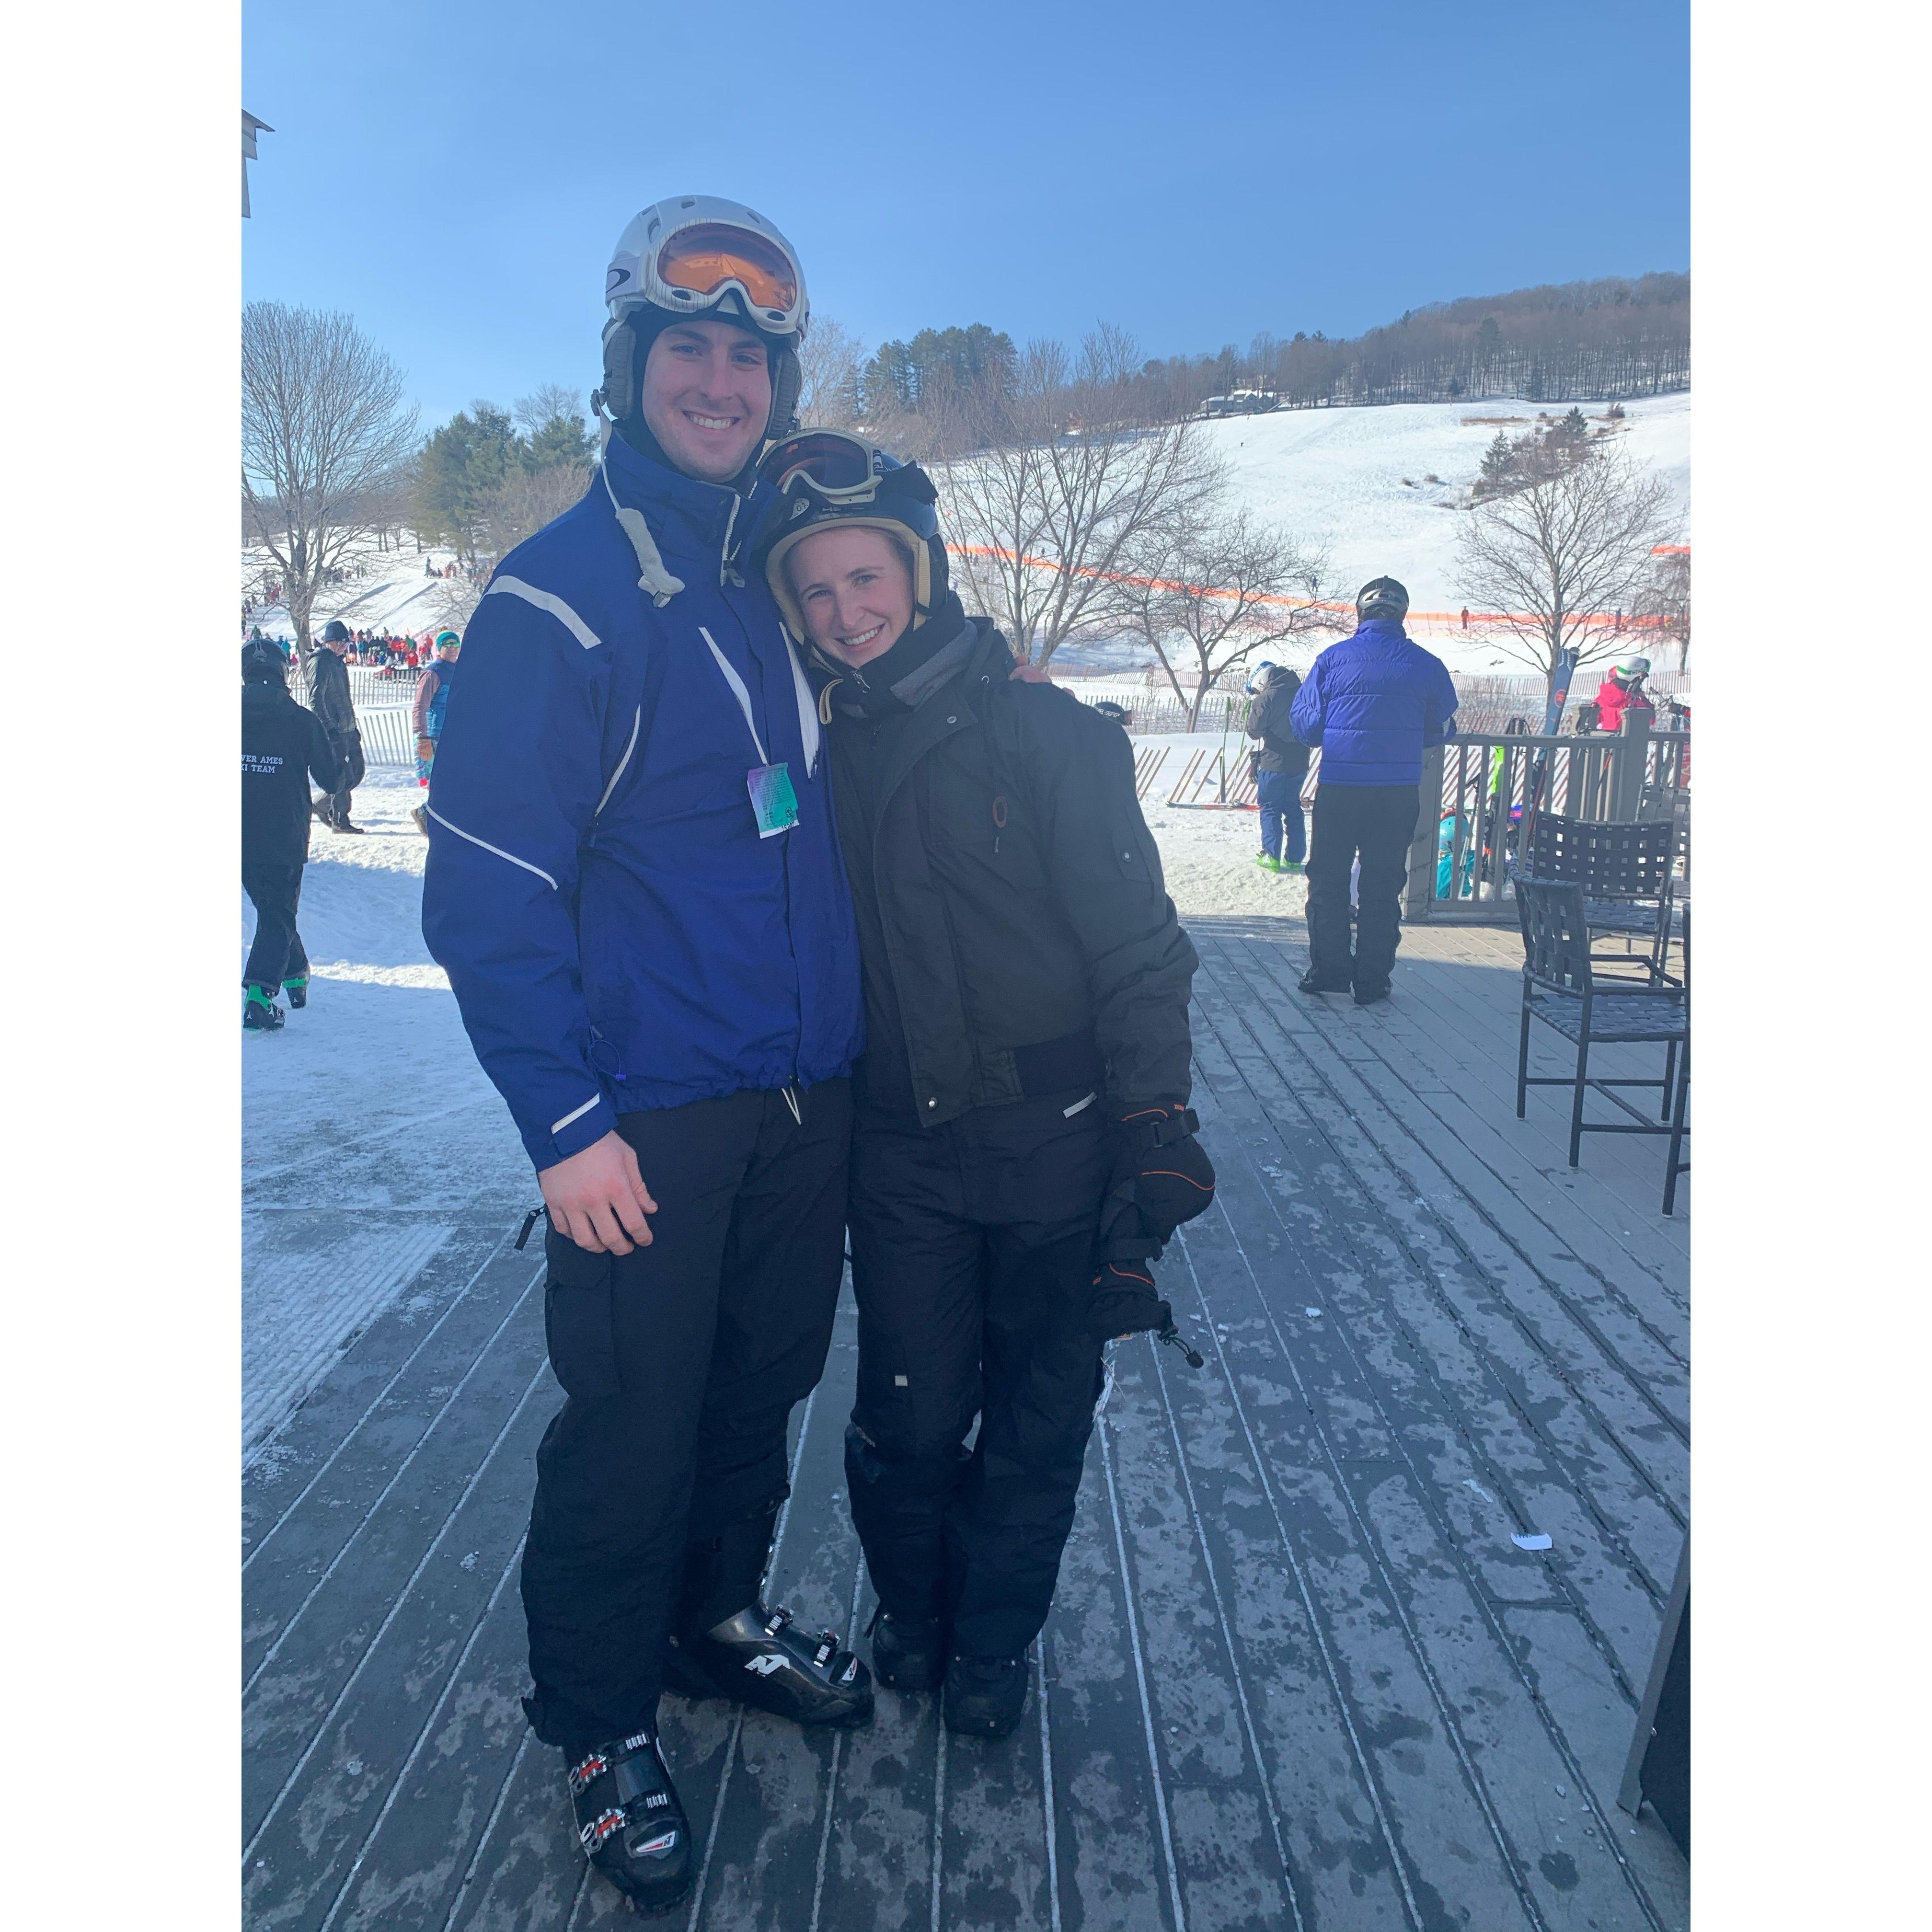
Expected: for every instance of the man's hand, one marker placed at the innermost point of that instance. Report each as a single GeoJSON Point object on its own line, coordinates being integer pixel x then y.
{"type": "Point", "coordinates": [598, 1198]}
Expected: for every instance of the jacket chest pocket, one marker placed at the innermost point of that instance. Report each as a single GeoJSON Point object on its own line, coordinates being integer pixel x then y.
{"type": "Point", "coordinates": [968, 817]}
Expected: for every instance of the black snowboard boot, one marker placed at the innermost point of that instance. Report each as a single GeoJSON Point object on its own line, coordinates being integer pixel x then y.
{"type": "Point", "coordinates": [908, 1653]}
{"type": "Point", "coordinates": [630, 1823]}
{"type": "Point", "coordinates": [984, 1695]}
{"type": "Point", "coordinates": [1311, 982]}
{"type": "Point", "coordinates": [760, 1658]}
{"type": "Point", "coordinates": [1367, 996]}
{"type": "Point", "coordinates": [297, 992]}
{"type": "Point", "coordinates": [260, 1013]}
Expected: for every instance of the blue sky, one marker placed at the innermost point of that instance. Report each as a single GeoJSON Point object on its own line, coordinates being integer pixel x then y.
{"type": "Point", "coordinates": [455, 175]}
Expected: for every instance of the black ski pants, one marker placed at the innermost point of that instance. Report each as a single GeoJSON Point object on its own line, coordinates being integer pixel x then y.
{"type": "Point", "coordinates": [1375, 823]}
{"type": "Point", "coordinates": [347, 746]}
{"type": "Point", "coordinates": [972, 1260]}
{"type": "Point", "coordinates": [277, 955]}
{"type": "Point", "coordinates": [663, 1471]}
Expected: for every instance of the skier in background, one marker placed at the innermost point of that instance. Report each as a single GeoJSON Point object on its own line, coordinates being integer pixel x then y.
{"type": "Point", "coordinates": [335, 712]}
{"type": "Point", "coordinates": [1373, 703]}
{"type": "Point", "coordinates": [1280, 766]}
{"type": "Point", "coordinates": [282, 746]}
{"type": "Point", "coordinates": [1622, 691]}
{"type": "Point", "coordinates": [432, 702]}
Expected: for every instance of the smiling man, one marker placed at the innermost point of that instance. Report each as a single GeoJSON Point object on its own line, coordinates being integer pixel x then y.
{"type": "Point", "coordinates": [635, 884]}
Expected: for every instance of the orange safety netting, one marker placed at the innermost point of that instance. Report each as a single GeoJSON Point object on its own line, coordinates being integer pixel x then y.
{"type": "Point", "coordinates": [1434, 620]}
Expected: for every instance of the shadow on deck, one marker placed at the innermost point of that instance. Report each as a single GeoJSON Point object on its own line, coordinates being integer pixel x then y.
{"type": "Point", "coordinates": [1298, 1675]}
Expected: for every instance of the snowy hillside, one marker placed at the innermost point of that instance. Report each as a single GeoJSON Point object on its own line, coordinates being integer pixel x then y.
{"type": "Point", "coordinates": [1353, 482]}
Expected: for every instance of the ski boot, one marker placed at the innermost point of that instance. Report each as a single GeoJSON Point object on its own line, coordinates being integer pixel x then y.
{"type": "Point", "coordinates": [297, 992]}
{"type": "Point", "coordinates": [758, 1658]}
{"type": "Point", "coordinates": [630, 1823]}
{"type": "Point", "coordinates": [260, 1013]}
{"type": "Point", "coordinates": [984, 1695]}
{"type": "Point", "coordinates": [908, 1653]}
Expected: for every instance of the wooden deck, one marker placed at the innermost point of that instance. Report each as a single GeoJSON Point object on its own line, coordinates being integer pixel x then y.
{"type": "Point", "coordinates": [1298, 1675]}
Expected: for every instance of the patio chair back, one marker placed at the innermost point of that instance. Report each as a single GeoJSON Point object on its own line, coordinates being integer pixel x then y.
{"type": "Point", "coordinates": [1555, 933]}
{"type": "Point", "coordinates": [1608, 858]}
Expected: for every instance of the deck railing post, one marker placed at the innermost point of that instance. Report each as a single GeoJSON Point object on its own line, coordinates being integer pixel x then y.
{"type": "Point", "coordinates": [1420, 893]}
{"type": "Point", "coordinates": [1632, 754]}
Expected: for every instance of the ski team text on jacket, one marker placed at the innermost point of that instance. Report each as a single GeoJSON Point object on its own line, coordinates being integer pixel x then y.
{"type": "Point", "coordinates": [618, 934]}
{"type": "Point", "coordinates": [1374, 703]}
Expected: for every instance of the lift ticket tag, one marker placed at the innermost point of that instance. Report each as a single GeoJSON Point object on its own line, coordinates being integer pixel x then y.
{"type": "Point", "coordinates": [773, 798]}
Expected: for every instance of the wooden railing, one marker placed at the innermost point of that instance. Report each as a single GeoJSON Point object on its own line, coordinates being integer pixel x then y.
{"type": "Point", "coordinates": [1488, 791]}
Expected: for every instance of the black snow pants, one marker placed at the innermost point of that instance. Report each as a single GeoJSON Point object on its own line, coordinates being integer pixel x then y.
{"type": "Point", "coordinates": [659, 1481]}
{"type": "Point", "coordinates": [1376, 822]}
{"type": "Point", "coordinates": [277, 955]}
{"type": "Point", "coordinates": [347, 746]}
{"type": "Point", "coordinates": [972, 1260]}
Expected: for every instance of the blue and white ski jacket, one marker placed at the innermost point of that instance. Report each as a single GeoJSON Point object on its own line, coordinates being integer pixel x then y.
{"type": "Point", "coordinates": [1374, 703]}
{"type": "Point", "coordinates": [618, 934]}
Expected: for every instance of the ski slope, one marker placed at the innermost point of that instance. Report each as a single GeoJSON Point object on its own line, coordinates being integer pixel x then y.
{"type": "Point", "coordinates": [1351, 482]}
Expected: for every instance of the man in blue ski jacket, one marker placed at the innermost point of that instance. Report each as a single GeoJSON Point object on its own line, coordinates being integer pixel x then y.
{"type": "Point", "coordinates": [1373, 703]}
{"type": "Point", "coordinates": [635, 885]}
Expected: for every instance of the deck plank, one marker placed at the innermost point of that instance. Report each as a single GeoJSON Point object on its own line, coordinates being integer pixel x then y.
{"type": "Point", "coordinates": [1297, 1676]}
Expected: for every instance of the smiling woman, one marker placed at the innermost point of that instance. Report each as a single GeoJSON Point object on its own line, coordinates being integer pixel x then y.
{"type": "Point", "coordinates": [854, 586]}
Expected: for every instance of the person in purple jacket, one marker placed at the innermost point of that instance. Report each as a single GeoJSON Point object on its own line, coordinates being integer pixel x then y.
{"type": "Point", "coordinates": [1373, 703]}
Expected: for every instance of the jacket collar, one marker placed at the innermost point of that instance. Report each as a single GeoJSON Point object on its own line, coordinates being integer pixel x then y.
{"type": "Point", "coordinates": [694, 521]}
{"type": "Point", "coordinates": [1381, 631]}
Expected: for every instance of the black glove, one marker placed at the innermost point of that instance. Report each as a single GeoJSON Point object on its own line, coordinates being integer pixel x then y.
{"type": "Point", "coordinates": [1162, 1178]}
{"type": "Point", "coordinates": [1161, 1168]}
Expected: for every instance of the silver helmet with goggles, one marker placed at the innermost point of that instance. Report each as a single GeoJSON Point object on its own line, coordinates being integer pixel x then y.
{"type": "Point", "coordinates": [699, 256]}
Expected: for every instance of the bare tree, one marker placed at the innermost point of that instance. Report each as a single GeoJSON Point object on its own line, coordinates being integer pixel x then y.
{"type": "Point", "coordinates": [1666, 600]}
{"type": "Point", "coordinates": [1052, 476]}
{"type": "Point", "coordinates": [526, 499]}
{"type": "Point", "coordinates": [829, 360]}
{"type": "Point", "coordinates": [543, 405]}
{"type": "Point", "coordinates": [1214, 586]}
{"type": "Point", "coordinates": [1559, 555]}
{"type": "Point", "coordinates": [324, 430]}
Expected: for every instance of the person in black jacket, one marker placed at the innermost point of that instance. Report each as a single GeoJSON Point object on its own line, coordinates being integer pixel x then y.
{"type": "Point", "coordinates": [1022, 1145]}
{"type": "Point", "coordinates": [282, 746]}
{"type": "Point", "coordinates": [335, 710]}
{"type": "Point", "coordinates": [1280, 766]}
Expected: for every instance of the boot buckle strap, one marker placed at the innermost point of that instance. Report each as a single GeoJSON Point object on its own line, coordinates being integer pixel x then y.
{"type": "Point", "coordinates": [592, 1835]}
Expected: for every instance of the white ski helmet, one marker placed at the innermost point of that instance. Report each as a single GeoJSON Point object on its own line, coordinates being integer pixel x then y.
{"type": "Point", "coordinates": [699, 255]}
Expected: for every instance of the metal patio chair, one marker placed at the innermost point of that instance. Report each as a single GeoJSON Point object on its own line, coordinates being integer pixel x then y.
{"type": "Point", "coordinates": [1625, 870]}
{"type": "Point", "coordinates": [1560, 988]}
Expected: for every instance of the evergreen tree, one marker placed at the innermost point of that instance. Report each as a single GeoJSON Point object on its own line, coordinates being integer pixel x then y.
{"type": "Point", "coordinates": [1499, 460]}
{"type": "Point", "coordinates": [1573, 428]}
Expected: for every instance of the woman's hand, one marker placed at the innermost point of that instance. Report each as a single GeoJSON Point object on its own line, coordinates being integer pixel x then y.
{"type": "Point", "coordinates": [598, 1198]}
